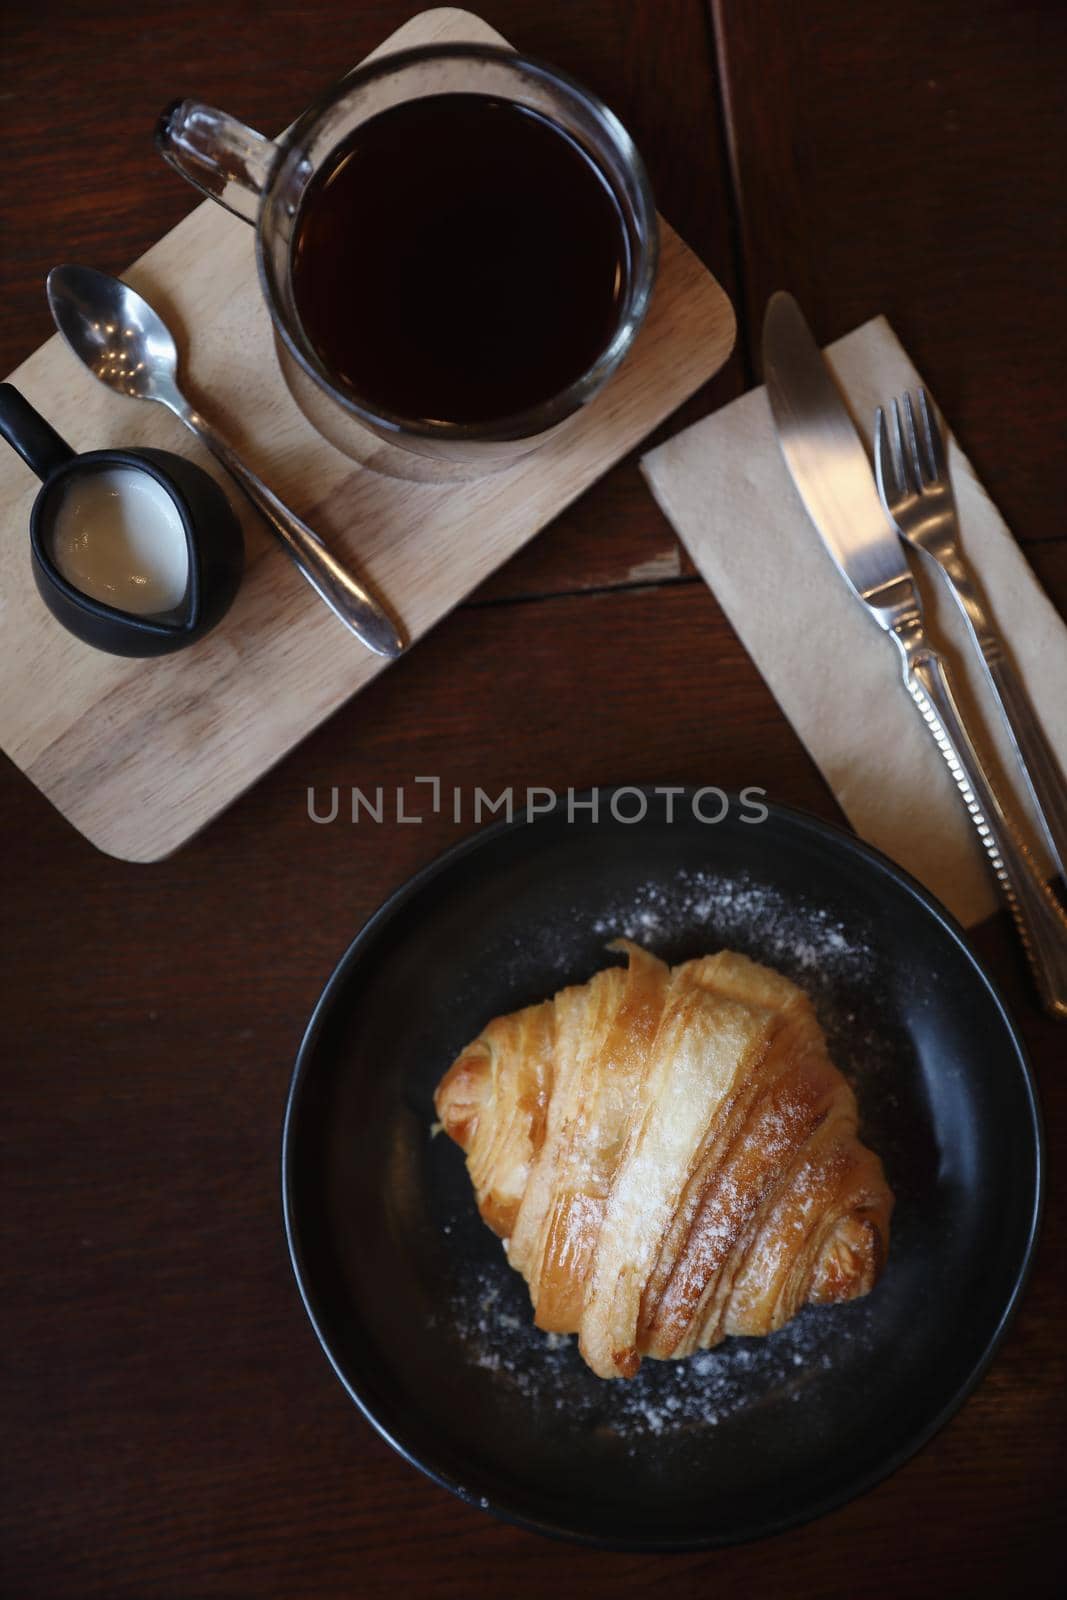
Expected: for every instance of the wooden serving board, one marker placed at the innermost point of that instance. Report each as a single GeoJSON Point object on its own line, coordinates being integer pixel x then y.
{"type": "Point", "coordinates": [139, 755]}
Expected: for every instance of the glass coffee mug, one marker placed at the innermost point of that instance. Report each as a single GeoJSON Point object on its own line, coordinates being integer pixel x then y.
{"type": "Point", "coordinates": [457, 246]}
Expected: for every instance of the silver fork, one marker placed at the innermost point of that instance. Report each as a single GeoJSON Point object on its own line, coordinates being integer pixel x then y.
{"type": "Point", "coordinates": [916, 491]}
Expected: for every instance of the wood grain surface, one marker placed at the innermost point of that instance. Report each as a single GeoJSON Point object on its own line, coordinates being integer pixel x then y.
{"type": "Point", "coordinates": [170, 1426]}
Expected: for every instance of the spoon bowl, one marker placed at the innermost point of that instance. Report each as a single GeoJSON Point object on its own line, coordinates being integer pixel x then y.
{"type": "Point", "coordinates": [123, 342]}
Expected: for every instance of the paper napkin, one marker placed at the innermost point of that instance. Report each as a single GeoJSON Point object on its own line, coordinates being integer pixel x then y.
{"type": "Point", "coordinates": [725, 487]}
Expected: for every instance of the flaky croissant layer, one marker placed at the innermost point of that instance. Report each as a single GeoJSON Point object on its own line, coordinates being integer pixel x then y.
{"type": "Point", "coordinates": [670, 1156]}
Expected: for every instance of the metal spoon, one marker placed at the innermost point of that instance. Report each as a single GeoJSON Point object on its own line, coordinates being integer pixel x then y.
{"type": "Point", "coordinates": [123, 342]}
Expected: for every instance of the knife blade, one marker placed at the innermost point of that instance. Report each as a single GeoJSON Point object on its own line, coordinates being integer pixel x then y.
{"type": "Point", "coordinates": [828, 463]}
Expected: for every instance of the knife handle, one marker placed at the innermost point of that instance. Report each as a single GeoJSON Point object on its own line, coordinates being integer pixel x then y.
{"type": "Point", "coordinates": [1039, 918]}
{"type": "Point", "coordinates": [1035, 756]}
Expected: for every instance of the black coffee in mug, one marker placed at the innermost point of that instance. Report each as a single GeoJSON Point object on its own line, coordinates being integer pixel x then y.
{"type": "Point", "coordinates": [459, 259]}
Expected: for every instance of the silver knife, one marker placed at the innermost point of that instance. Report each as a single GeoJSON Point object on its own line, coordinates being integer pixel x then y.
{"type": "Point", "coordinates": [828, 463]}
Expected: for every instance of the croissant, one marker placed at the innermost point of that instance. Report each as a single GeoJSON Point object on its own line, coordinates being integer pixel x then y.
{"type": "Point", "coordinates": [670, 1156]}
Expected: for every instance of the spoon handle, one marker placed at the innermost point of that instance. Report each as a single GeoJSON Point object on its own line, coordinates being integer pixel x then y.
{"type": "Point", "coordinates": [346, 597]}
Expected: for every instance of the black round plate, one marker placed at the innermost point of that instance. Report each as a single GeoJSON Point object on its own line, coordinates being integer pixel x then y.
{"type": "Point", "coordinates": [411, 1296]}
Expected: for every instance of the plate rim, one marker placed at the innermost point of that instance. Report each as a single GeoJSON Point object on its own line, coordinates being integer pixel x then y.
{"type": "Point", "coordinates": [394, 903]}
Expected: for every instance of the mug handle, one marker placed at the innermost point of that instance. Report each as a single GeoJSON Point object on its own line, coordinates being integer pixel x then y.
{"type": "Point", "coordinates": [217, 154]}
{"type": "Point", "coordinates": [26, 431]}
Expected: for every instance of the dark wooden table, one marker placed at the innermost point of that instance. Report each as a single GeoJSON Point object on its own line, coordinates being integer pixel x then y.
{"type": "Point", "coordinates": [170, 1426]}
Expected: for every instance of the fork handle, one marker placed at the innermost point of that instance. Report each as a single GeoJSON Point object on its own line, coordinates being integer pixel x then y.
{"type": "Point", "coordinates": [1041, 922]}
{"type": "Point", "coordinates": [1033, 752]}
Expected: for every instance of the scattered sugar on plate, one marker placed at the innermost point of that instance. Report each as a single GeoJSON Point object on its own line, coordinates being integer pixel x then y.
{"type": "Point", "coordinates": [547, 1373]}
{"type": "Point", "coordinates": [792, 932]}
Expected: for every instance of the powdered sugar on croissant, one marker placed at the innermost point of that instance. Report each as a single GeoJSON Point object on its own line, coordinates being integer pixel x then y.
{"type": "Point", "coordinates": [671, 1156]}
